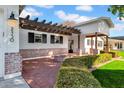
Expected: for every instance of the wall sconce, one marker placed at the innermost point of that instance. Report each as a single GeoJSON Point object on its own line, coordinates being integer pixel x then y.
{"type": "Point", "coordinates": [12, 22]}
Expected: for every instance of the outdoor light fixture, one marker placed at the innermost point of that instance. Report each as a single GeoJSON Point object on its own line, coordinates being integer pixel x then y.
{"type": "Point", "coordinates": [12, 22]}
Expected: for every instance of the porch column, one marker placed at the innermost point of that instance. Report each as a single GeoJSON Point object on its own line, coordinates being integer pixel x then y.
{"type": "Point", "coordinates": [78, 41]}
{"type": "Point", "coordinates": [107, 45]}
{"type": "Point", "coordinates": [91, 45]}
{"type": "Point", "coordinates": [96, 42]}
{"type": "Point", "coordinates": [80, 44]}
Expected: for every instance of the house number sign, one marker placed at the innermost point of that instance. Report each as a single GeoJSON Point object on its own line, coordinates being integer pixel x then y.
{"type": "Point", "coordinates": [12, 35]}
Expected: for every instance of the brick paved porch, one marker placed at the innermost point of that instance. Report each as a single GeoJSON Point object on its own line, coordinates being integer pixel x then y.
{"type": "Point", "coordinates": [40, 73]}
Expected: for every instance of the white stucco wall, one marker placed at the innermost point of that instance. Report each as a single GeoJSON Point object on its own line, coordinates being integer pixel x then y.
{"type": "Point", "coordinates": [113, 41]}
{"type": "Point", "coordinates": [5, 45]}
{"type": "Point", "coordinates": [25, 45]}
{"type": "Point", "coordinates": [98, 26]}
{"type": "Point", "coordinates": [88, 28]}
{"type": "Point", "coordinates": [1, 44]}
{"type": "Point", "coordinates": [10, 47]}
{"type": "Point", "coordinates": [87, 47]}
{"type": "Point", "coordinates": [103, 27]}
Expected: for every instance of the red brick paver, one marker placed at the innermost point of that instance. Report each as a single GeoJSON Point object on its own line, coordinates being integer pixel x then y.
{"type": "Point", "coordinates": [40, 73]}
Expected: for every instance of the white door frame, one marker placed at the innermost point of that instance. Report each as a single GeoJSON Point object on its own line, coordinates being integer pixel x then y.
{"type": "Point", "coordinates": [2, 44]}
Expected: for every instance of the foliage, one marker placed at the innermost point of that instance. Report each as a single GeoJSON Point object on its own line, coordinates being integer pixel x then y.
{"type": "Point", "coordinates": [111, 75]}
{"type": "Point", "coordinates": [113, 53]}
{"type": "Point", "coordinates": [117, 10]}
{"type": "Point", "coordinates": [119, 53]}
{"type": "Point", "coordinates": [87, 61]}
{"type": "Point", "coordinates": [70, 77]}
{"type": "Point", "coordinates": [102, 58]}
{"type": "Point", "coordinates": [74, 71]}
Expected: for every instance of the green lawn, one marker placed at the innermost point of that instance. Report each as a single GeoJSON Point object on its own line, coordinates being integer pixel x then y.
{"type": "Point", "coordinates": [111, 75]}
{"type": "Point", "coordinates": [121, 53]}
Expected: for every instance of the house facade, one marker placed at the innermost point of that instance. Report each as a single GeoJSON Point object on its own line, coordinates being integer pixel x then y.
{"type": "Point", "coordinates": [117, 43]}
{"type": "Point", "coordinates": [32, 39]}
{"type": "Point", "coordinates": [95, 34]}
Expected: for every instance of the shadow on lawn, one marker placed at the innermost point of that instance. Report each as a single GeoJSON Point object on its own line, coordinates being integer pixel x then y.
{"type": "Point", "coordinates": [110, 78]}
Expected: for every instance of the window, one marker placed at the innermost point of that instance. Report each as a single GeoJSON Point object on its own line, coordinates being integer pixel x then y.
{"type": "Point", "coordinates": [56, 39]}
{"type": "Point", "coordinates": [44, 38]}
{"type": "Point", "coordinates": [88, 42]}
{"type": "Point", "coordinates": [120, 45]}
{"type": "Point", "coordinates": [52, 40]}
{"type": "Point", "coordinates": [61, 39]}
{"type": "Point", "coordinates": [99, 43]}
{"type": "Point", "coordinates": [30, 37]}
{"type": "Point", "coordinates": [116, 44]}
{"type": "Point", "coordinates": [37, 38]}
{"type": "Point", "coordinates": [92, 42]}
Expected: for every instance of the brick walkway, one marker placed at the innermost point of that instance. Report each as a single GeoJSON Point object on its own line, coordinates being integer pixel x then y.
{"type": "Point", "coordinates": [40, 73]}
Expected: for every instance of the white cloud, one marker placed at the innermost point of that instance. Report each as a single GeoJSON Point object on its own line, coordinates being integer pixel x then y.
{"type": "Point", "coordinates": [118, 27]}
{"type": "Point", "coordinates": [71, 17]}
{"type": "Point", "coordinates": [84, 8]}
{"type": "Point", "coordinates": [30, 11]}
{"type": "Point", "coordinates": [45, 6]}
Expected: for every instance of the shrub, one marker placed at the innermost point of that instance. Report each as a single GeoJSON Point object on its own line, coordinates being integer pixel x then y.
{"type": "Point", "coordinates": [102, 58]}
{"type": "Point", "coordinates": [87, 61]}
{"type": "Point", "coordinates": [74, 71]}
{"type": "Point", "coordinates": [113, 53]}
{"type": "Point", "coordinates": [76, 78]}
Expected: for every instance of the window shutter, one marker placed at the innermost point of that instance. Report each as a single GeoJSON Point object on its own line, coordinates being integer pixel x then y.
{"type": "Point", "coordinates": [52, 40]}
{"type": "Point", "coordinates": [30, 37]}
{"type": "Point", "coordinates": [44, 38]}
{"type": "Point", "coordinates": [61, 39]}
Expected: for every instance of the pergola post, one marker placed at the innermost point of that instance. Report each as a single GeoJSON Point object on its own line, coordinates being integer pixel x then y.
{"type": "Point", "coordinates": [91, 45]}
{"type": "Point", "coordinates": [107, 45]}
{"type": "Point", "coordinates": [79, 44]}
{"type": "Point", "coordinates": [96, 42]}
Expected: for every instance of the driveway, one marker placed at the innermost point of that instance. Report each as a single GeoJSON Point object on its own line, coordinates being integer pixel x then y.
{"type": "Point", "coordinates": [40, 73]}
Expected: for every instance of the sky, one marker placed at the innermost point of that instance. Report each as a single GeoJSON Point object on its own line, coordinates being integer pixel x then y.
{"type": "Point", "coordinates": [77, 13]}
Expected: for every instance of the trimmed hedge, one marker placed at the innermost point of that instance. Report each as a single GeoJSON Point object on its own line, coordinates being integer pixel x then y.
{"type": "Point", "coordinates": [87, 61]}
{"type": "Point", "coordinates": [102, 58]}
{"type": "Point", "coordinates": [76, 78]}
{"type": "Point", "coordinates": [74, 72]}
{"type": "Point", "coordinates": [113, 53]}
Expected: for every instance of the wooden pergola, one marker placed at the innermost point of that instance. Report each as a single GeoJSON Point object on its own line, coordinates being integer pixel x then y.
{"type": "Point", "coordinates": [44, 26]}
{"type": "Point", "coordinates": [96, 35]}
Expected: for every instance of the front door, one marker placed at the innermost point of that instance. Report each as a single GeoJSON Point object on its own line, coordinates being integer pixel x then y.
{"type": "Point", "coordinates": [1, 45]}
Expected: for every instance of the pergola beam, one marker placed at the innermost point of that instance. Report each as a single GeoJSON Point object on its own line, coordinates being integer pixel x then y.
{"type": "Point", "coordinates": [48, 27]}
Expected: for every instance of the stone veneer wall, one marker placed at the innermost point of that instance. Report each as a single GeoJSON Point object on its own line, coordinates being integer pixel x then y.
{"type": "Point", "coordinates": [30, 53]}
{"type": "Point", "coordinates": [13, 63]}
